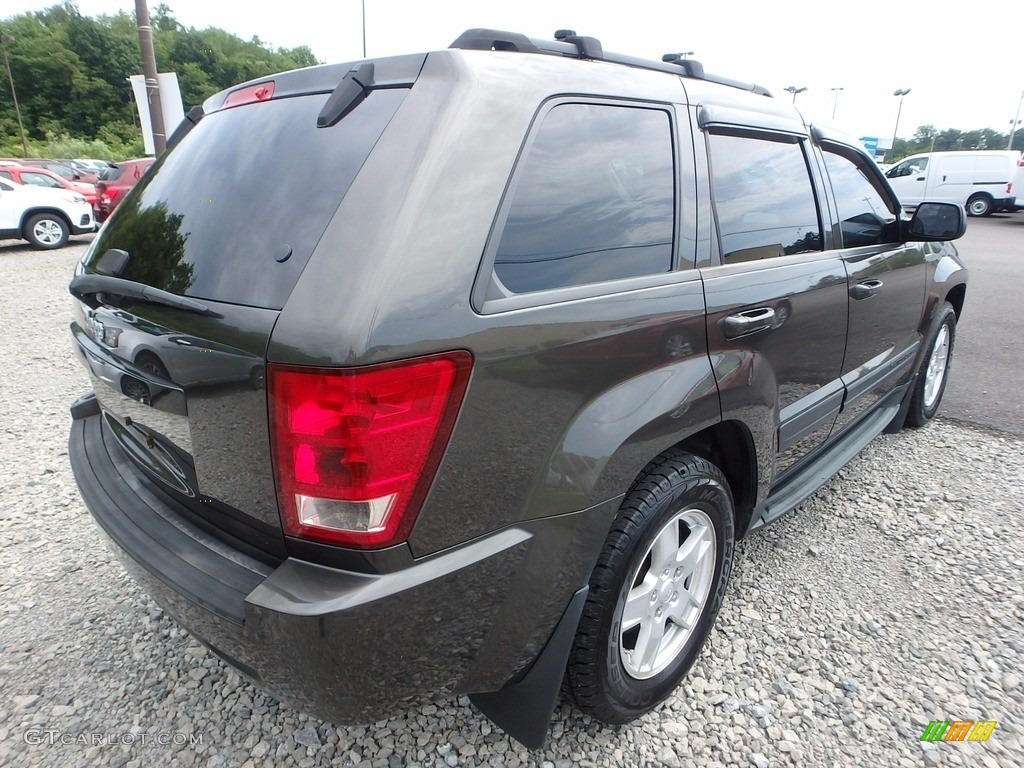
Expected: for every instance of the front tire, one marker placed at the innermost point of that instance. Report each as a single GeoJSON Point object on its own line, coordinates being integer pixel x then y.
{"type": "Point", "coordinates": [655, 591]}
{"type": "Point", "coordinates": [934, 372]}
{"type": "Point", "coordinates": [979, 205]}
{"type": "Point", "coordinates": [47, 231]}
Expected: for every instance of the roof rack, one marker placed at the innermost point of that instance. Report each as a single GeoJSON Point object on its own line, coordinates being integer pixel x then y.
{"type": "Point", "coordinates": [568, 43]}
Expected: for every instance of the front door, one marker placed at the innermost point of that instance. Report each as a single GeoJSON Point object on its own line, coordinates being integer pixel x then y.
{"type": "Point", "coordinates": [887, 281]}
{"type": "Point", "coordinates": [909, 180]}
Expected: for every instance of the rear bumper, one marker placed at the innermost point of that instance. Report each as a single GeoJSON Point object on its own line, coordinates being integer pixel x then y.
{"type": "Point", "coordinates": [347, 646]}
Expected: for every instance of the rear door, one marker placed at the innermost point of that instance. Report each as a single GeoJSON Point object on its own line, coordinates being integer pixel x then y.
{"type": "Point", "coordinates": [777, 300]}
{"type": "Point", "coordinates": [887, 281]}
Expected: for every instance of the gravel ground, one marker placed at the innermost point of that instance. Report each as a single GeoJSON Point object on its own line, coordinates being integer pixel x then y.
{"type": "Point", "coordinates": [890, 598]}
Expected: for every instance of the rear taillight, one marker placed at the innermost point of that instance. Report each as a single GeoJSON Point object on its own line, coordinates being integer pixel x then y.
{"type": "Point", "coordinates": [355, 450]}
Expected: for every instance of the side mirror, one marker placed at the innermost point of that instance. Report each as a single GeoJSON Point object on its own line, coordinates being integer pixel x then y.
{"type": "Point", "coordinates": [937, 222]}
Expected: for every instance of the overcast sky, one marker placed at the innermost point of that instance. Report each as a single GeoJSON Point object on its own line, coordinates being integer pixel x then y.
{"type": "Point", "coordinates": [963, 67]}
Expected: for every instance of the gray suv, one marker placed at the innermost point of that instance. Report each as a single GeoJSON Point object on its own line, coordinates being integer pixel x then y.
{"type": "Point", "coordinates": [469, 368]}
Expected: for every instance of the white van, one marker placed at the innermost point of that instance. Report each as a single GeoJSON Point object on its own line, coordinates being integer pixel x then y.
{"type": "Point", "coordinates": [979, 180]}
{"type": "Point", "coordinates": [1018, 185]}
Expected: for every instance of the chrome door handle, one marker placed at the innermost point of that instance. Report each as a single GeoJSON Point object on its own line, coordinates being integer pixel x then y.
{"type": "Point", "coordinates": [747, 322]}
{"type": "Point", "coordinates": [865, 290]}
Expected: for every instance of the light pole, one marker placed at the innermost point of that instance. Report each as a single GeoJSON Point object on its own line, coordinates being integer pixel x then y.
{"type": "Point", "coordinates": [364, 28]}
{"type": "Point", "coordinates": [14, 94]}
{"type": "Point", "coordinates": [1013, 126]}
{"type": "Point", "coordinates": [794, 90]}
{"type": "Point", "coordinates": [901, 92]}
{"type": "Point", "coordinates": [835, 101]}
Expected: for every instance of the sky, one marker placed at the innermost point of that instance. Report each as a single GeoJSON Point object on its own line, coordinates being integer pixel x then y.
{"type": "Point", "coordinates": [962, 71]}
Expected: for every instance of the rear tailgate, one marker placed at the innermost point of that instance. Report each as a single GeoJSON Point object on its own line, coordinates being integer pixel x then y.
{"type": "Point", "coordinates": [178, 295]}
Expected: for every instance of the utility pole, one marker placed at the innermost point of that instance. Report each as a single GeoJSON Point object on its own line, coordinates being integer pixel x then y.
{"type": "Point", "coordinates": [156, 113]}
{"type": "Point", "coordinates": [14, 94]}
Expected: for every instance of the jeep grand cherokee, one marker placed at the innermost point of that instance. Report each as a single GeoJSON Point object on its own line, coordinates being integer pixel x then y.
{"type": "Point", "coordinates": [486, 398]}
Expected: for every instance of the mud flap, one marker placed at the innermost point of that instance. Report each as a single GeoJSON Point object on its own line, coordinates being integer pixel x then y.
{"type": "Point", "coordinates": [523, 709]}
{"type": "Point", "coordinates": [900, 418]}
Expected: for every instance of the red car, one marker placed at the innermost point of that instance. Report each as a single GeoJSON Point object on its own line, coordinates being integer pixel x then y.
{"type": "Point", "coordinates": [116, 181]}
{"type": "Point", "coordinates": [40, 177]}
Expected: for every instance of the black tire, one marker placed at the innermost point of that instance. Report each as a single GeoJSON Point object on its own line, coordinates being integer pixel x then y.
{"type": "Point", "coordinates": [979, 205]}
{"type": "Point", "coordinates": [47, 231]}
{"type": "Point", "coordinates": [924, 403]}
{"type": "Point", "coordinates": [597, 676]}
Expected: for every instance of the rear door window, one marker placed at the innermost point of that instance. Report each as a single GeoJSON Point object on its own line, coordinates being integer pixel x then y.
{"type": "Point", "coordinates": [763, 196]}
{"type": "Point", "coordinates": [233, 212]}
{"type": "Point", "coordinates": [593, 200]}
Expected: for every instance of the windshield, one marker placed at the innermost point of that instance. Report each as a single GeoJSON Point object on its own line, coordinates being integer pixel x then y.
{"type": "Point", "coordinates": [233, 212]}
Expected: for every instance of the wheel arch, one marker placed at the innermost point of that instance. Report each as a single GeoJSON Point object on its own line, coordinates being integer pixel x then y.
{"type": "Point", "coordinates": [956, 296]}
{"type": "Point", "coordinates": [729, 445]}
{"type": "Point", "coordinates": [27, 216]}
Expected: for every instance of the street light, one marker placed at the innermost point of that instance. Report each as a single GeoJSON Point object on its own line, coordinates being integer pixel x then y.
{"type": "Point", "coordinates": [1016, 120]}
{"type": "Point", "coordinates": [794, 90]}
{"type": "Point", "coordinates": [14, 94]}
{"type": "Point", "coordinates": [685, 54]}
{"type": "Point", "coordinates": [901, 92]}
{"type": "Point", "coordinates": [835, 101]}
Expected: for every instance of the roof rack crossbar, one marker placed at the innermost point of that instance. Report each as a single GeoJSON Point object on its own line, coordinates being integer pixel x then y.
{"type": "Point", "coordinates": [568, 43]}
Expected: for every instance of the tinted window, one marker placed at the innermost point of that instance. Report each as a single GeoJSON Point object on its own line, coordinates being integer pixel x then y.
{"type": "Point", "coordinates": [246, 186]}
{"type": "Point", "coordinates": [593, 201]}
{"type": "Point", "coordinates": [864, 214]}
{"type": "Point", "coordinates": [763, 198]}
{"type": "Point", "coordinates": [7, 175]}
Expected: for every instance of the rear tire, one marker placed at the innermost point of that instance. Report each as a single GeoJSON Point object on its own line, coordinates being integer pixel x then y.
{"type": "Point", "coordinates": [979, 205]}
{"type": "Point", "coordinates": [934, 372]}
{"type": "Point", "coordinates": [47, 231]}
{"type": "Point", "coordinates": [655, 591]}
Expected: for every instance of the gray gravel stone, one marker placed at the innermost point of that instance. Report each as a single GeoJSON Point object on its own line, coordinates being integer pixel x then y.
{"type": "Point", "coordinates": [889, 598]}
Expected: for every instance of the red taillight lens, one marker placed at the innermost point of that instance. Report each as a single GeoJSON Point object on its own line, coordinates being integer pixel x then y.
{"type": "Point", "coordinates": [260, 92]}
{"type": "Point", "coordinates": [356, 449]}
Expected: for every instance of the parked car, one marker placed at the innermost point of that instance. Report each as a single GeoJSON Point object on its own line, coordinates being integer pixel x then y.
{"type": "Point", "coordinates": [977, 179]}
{"type": "Point", "coordinates": [45, 217]}
{"type": "Point", "coordinates": [40, 177]}
{"type": "Point", "coordinates": [544, 331]}
{"type": "Point", "coordinates": [115, 182]}
{"type": "Point", "coordinates": [88, 165]}
{"type": "Point", "coordinates": [61, 169]}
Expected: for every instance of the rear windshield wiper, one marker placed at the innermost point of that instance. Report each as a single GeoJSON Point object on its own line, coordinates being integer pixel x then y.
{"type": "Point", "coordinates": [88, 288]}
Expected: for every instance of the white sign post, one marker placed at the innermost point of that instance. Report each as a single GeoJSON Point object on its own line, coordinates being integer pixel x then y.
{"type": "Point", "coordinates": [170, 101]}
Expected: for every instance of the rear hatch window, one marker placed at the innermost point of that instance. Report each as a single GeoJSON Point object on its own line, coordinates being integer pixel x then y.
{"type": "Point", "coordinates": [233, 213]}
